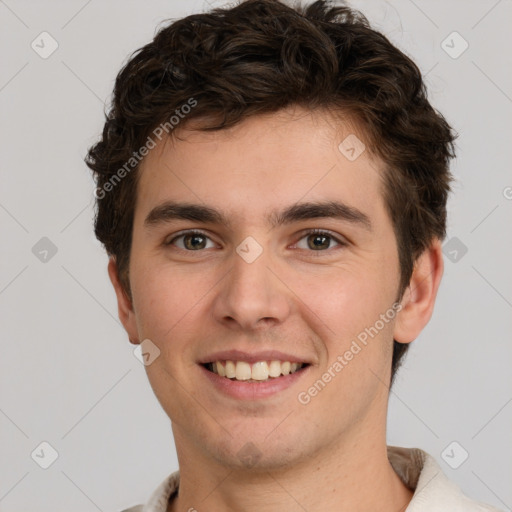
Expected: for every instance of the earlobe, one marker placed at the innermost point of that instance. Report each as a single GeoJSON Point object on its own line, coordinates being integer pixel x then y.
{"type": "Point", "coordinates": [419, 298]}
{"type": "Point", "coordinates": [124, 304]}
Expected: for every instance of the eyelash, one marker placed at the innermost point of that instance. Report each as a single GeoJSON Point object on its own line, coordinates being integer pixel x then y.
{"type": "Point", "coordinates": [314, 231]}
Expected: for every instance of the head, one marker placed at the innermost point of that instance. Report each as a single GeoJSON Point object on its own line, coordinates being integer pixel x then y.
{"type": "Point", "coordinates": [232, 109]}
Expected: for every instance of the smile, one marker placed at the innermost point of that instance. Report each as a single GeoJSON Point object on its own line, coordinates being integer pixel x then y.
{"type": "Point", "coordinates": [253, 372]}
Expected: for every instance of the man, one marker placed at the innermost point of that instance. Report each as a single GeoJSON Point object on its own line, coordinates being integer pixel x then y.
{"type": "Point", "coordinates": [271, 190]}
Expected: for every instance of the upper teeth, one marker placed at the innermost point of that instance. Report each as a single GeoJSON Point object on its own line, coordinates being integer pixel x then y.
{"type": "Point", "coordinates": [261, 370]}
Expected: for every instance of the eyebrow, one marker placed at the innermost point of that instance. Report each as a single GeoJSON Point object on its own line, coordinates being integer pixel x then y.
{"type": "Point", "coordinates": [172, 210]}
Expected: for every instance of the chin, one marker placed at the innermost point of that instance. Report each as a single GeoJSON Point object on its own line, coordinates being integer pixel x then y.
{"type": "Point", "coordinates": [249, 454]}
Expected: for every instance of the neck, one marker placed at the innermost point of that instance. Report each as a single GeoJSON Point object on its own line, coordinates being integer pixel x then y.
{"type": "Point", "coordinates": [350, 476]}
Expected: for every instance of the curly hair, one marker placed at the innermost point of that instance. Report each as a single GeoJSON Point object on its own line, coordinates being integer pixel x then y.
{"type": "Point", "coordinates": [262, 56]}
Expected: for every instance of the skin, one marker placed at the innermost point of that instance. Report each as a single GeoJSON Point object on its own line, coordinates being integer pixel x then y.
{"type": "Point", "coordinates": [330, 454]}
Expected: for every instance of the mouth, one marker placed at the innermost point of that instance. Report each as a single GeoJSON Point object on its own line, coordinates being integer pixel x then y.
{"type": "Point", "coordinates": [259, 371]}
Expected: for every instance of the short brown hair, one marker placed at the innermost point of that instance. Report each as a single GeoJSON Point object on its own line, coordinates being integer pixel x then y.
{"type": "Point", "coordinates": [262, 56]}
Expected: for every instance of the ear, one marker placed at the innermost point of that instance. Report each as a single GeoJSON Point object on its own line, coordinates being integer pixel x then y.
{"type": "Point", "coordinates": [124, 304]}
{"type": "Point", "coordinates": [419, 298]}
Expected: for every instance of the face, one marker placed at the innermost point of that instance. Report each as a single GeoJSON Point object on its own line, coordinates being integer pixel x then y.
{"type": "Point", "coordinates": [288, 257]}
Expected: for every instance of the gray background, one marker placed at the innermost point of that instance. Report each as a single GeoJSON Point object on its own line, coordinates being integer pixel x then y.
{"type": "Point", "coordinates": [68, 375]}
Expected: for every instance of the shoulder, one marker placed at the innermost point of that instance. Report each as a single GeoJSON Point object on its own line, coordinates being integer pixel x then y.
{"type": "Point", "coordinates": [433, 490]}
{"type": "Point", "coordinates": [159, 500]}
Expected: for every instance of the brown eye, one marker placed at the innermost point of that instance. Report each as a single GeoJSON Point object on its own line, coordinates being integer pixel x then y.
{"type": "Point", "coordinates": [191, 241]}
{"type": "Point", "coordinates": [194, 242]}
{"type": "Point", "coordinates": [319, 241]}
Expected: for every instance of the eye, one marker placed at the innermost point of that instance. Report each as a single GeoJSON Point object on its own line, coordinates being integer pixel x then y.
{"type": "Point", "coordinates": [191, 241]}
{"type": "Point", "coordinates": [318, 240]}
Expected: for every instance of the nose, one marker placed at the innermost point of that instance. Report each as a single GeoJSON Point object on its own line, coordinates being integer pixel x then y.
{"type": "Point", "coordinates": [252, 296]}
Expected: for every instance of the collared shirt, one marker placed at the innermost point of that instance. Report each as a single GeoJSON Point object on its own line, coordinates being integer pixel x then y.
{"type": "Point", "coordinates": [419, 471]}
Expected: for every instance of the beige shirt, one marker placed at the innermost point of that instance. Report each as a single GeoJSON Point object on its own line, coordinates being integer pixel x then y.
{"type": "Point", "coordinates": [419, 471]}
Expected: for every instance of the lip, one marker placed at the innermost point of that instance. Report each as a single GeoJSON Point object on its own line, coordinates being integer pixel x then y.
{"type": "Point", "coordinates": [253, 390]}
{"type": "Point", "coordinates": [252, 357]}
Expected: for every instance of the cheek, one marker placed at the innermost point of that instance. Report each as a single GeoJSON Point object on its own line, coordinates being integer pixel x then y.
{"type": "Point", "coordinates": [164, 301]}
{"type": "Point", "coordinates": [348, 304]}
{"type": "Point", "coordinates": [357, 339]}
{"type": "Point", "coordinates": [345, 300]}
{"type": "Point", "coordinates": [168, 309]}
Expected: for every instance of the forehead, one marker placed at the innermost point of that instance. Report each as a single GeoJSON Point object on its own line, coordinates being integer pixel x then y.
{"type": "Point", "coordinates": [263, 163]}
